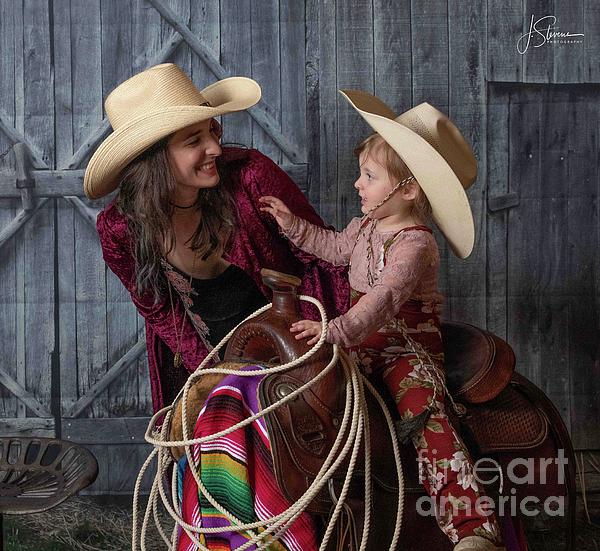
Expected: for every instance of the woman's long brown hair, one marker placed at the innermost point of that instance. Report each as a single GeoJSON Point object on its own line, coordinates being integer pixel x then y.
{"type": "Point", "coordinates": [147, 186]}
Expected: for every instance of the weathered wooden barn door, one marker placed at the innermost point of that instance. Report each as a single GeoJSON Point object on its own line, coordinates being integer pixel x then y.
{"type": "Point", "coordinates": [80, 369]}
{"type": "Point", "coordinates": [543, 139]}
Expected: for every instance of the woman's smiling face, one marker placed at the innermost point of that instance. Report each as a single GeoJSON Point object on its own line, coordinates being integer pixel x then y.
{"type": "Point", "coordinates": [193, 151]}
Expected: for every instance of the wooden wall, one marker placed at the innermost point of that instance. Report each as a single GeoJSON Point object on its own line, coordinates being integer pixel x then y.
{"type": "Point", "coordinates": [67, 327]}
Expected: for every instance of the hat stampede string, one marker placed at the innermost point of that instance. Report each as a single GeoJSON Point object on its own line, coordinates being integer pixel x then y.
{"type": "Point", "coordinates": [387, 197]}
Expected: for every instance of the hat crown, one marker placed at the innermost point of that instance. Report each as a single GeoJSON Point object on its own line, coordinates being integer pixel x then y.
{"type": "Point", "coordinates": [157, 88]}
{"type": "Point", "coordinates": [441, 134]}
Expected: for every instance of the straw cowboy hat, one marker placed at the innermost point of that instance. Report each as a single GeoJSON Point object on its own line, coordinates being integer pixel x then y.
{"type": "Point", "coordinates": [151, 105]}
{"type": "Point", "coordinates": [438, 156]}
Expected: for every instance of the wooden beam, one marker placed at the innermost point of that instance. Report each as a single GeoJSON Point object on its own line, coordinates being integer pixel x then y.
{"type": "Point", "coordinates": [63, 183]}
{"type": "Point", "coordinates": [501, 202]}
{"type": "Point", "coordinates": [18, 222]}
{"type": "Point", "coordinates": [27, 426]}
{"type": "Point", "coordinates": [25, 181]}
{"type": "Point", "coordinates": [257, 113]}
{"type": "Point", "coordinates": [15, 137]}
{"type": "Point", "coordinates": [112, 430]}
{"type": "Point", "coordinates": [48, 183]}
{"type": "Point", "coordinates": [88, 214]}
{"type": "Point", "coordinates": [25, 396]}
{"type": "Point", "coordinates": [104, 129]}
{"type": "Point", "coordinates": [115, 371]}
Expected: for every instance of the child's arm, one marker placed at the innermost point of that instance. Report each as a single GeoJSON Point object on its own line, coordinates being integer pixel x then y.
{"type": "Point", "coordinates": [334, 247]}
{"type": "Point", "coordinates": [407, 261]}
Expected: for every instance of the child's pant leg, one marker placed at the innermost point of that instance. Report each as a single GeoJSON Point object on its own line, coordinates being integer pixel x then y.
{"type": "Point", "coordinates": [445, 466]}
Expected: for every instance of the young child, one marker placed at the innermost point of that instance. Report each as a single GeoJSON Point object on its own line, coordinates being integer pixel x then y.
{"type": "Point", "coordinates": [415, 168]}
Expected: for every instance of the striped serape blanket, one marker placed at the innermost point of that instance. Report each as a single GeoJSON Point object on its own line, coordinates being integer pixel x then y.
{"type": "Point", "coordinates": [237, 470]}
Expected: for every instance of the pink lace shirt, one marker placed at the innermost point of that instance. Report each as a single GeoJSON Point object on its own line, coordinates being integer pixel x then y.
{"type": "Point", "coordinates": [406, 269]}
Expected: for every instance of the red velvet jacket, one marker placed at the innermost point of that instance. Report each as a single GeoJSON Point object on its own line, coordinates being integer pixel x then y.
{"type": "Point", "coordinates": [256, 244]}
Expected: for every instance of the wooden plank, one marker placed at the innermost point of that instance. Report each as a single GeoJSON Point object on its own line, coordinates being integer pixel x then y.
{"type": "Point", "coordinates": [19, 118]}
{"type": "Point", "coordinates": [313, 108]}
{"type": "Point", "coordinates": [591, 41]}
{"type": "Point", "coordinates": [502, 202]}
{"type": "Point", "coordinates": [38, 235]}
{"type": "Point", "coordinates": [89, 281]}
{"type": "Point", "coordinates": [429, 39]}
{"type": "Point", "coordinates": [115, 372]}
{"type": "Point", "coordinates": [496, 222]}
{"type": "Point", "coordinates": [8, 209]}
{"type": "Point", "coordinates": [292, 42]}
{"type": "Point", "coordinates": [523, 225]}
{"type": "Point", "coordinates": [65, 220]}
{"type": "Point", "coordinates": [118, 466]}
{"type": "Point", "coordinates": [467, 285]}
{"type": "Point", "coordinates": [181, 9]}
{"type": "Point", "coordinates": [257, 112]}
{"type": "Point", "coordinates": [8, 308]}
{"type": "Point", "coordinates": [25, 427]}
{"type": "Point", "coordinates": [266, 70]}
{"type": "Point", "coordinates": [205, 24]}
{"type": "Point", "coordinates": [569, 52]}
{"type": "Point", "coordinates": [505, 25]}
{"type": "Point", "coordinates": [552, 235]}
{"type": "Point", "coordinates": [392, 53]}
{"type": "Point", "coordinates": [87, 213]}
{"type": "Point", "coordinates": [125, 464]}
{"type": "Point", "coordinates": [582, 269]}
{"type": "Point", "coordinates": [22, 394]}
{"type": "Point", "coordinates": [15, 136]}
{"type": "Point", "coordinates": [116, 430]}
{"type": "Point", "coordinates": [354, 53]}
{"type": "Point", "coordinates": [48, 183]}
{"type": "Point", "coordinates": [235, 49]}
{"type": "Point", "coordinates": [121, 325]}
{"type": "Point", "coordinates": [538, 62]}
{"type": "Point", "coordinates": [328, 100]}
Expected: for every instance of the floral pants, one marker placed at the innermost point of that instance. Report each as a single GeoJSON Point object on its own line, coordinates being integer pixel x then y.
{"type": "Point", "coordinates": [407, 353]}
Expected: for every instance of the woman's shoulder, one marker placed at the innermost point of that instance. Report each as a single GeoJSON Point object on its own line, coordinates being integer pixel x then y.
{"type": "Point", "coordinates": [111, 220]}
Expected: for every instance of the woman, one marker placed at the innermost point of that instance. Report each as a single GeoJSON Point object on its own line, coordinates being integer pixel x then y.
{"type": "Point", "coordinates": [185, 233]}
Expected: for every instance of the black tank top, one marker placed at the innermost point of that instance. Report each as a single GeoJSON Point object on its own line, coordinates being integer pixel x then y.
{"type": "Point", "coordinates": [224, 301]}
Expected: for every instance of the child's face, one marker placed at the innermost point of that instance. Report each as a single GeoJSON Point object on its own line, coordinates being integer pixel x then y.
{"type": "Point", "coordinates": [373, 184]}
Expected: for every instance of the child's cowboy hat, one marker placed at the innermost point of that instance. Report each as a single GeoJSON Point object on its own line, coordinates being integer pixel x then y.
{"type": "Point", "coordinates": [438, 156]}
{"type": "Point", "coordinates": [151, 105]}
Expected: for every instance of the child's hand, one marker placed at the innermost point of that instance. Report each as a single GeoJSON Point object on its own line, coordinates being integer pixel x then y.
{"type": "Point", "coordinates": [308, 329]}
{"type": "Point", "coordinates": [277, 208]}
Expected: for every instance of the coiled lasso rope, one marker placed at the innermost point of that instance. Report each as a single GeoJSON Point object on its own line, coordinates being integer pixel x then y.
{"type": "Point", "coordinates": [354, 428]}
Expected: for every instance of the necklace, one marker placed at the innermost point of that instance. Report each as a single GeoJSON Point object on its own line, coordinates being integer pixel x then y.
{"type": "Point", "coordinates": [180, 207]}
{"type": "Point", "coordinates": [178, 359]}
{"type": "Point", "coordinates": [371, 278]}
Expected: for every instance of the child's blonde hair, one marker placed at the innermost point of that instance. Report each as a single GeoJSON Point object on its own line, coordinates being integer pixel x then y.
{"type": "Point", "coordinates": [383, 153]}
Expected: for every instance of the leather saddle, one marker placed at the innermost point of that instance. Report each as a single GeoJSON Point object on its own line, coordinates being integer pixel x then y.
{"type": "Point", "coordinates": [478, 364]}
{"type": "Point", "coordinates": [501, 413]}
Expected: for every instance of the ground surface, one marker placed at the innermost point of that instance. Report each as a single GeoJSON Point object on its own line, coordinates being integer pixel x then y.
{"type": "Point", "coordinates": [93, 524]}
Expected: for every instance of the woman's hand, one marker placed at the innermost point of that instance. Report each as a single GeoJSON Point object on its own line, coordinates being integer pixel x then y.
{"type": "Point", "coordinates": [278, 209]}
{"type": "Point", "coordinates": [306, 329]}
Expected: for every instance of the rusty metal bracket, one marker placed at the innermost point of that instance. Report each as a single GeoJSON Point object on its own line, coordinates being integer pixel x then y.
{"type": "Point", "coordinates": [25, 179]}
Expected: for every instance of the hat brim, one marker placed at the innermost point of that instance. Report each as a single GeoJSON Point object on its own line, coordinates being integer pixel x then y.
{"type": "Point", "coordinates": [449, 203]}
{"type": "Point", "coordinates": [127, 142]}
